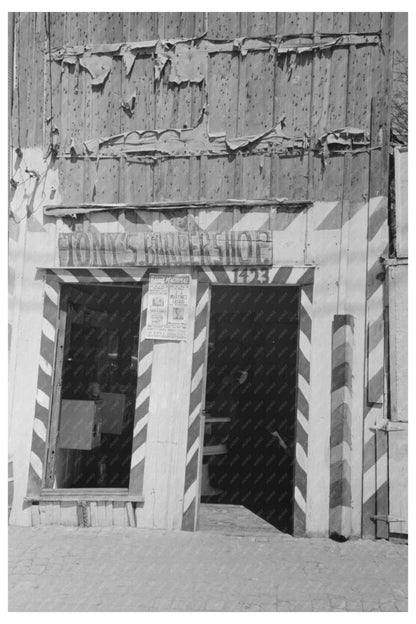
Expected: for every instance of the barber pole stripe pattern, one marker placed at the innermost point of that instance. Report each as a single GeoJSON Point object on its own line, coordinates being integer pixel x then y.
{"type": "Point", "coordinates": [54, 279]}
{"type": "Point", "coordinates": [44, 387]}
{"type": "Point", "coordinates": [375, 484]}
{"type": "Point", "coordinates": [99, 276]}
{"type": "Point", "coordinates": [340, 441]}
{"type": "Point", "coordinates": [141, 418]}
{"type": "Point", "coordinates": [193, 448]}
{"type": "Point", "coordinates": [285, 276]}
{"type": "Point", "coordinates": [302, 411]}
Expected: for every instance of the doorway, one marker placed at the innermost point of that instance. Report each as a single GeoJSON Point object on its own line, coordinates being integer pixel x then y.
{"type": "Point", "coordinates": [95, 387]}
{"type": "Point", "coordinates": [250, 420]}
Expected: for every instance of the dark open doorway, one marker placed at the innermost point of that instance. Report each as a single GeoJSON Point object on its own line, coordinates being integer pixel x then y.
{"type": "Point", "coordinates": [95, 386]}
{"type": "Point", "coordinates": [249, 440]}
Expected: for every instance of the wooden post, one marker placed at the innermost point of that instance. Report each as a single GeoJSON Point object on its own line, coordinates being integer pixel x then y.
{"type": "Point", "coordinates": [340, 441]}
{"type": "Point", "coordinates": [56, 392]}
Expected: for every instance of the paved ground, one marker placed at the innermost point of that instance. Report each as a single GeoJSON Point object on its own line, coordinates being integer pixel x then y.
{"type": "Point", "coordinates": [110, 569]}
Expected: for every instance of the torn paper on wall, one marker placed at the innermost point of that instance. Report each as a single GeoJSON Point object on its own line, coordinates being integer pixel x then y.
{"type": "Point", "coordinates": [130, 51]}
{"type": "Point", "coordinates": [243, 142]}
{"type": "Point", "coordinates": [188, 58]}
{"type": "Point", "coordinates": [104, 48]}
{"type": "Point", "coordinates": [281, 44]}
{"type": "Point", "coordinates": [188, 141]}
{"type": "Point", "coordinates": [187, 64]}
{"type": "Point", "coordinates": [161, 58]}
{"type": "Point", "coordinates": [128, 59]}
{"type": "Point", "coordinates": [98, 66]}
{"type": "Point", "coordinates": [348, 137]}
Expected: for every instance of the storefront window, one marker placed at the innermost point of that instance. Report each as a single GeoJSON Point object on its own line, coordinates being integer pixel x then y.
{"type": "Point", "coordinates": [95, 389]}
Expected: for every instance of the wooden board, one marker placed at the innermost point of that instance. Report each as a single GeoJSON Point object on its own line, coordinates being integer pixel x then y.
{"type": "Point", "coordinates": [68, 513]}
{"type": "Point", "coordinates": [240, 247]}
{"type": "Point", "coordinates": [398, 476]}
{"type": "Point", "coordinates": [398, 340]}
{"type": "Point", "coordinates": [401, 182]}
{"type": "Point", "coordinates": [97, 513]}
{"type": "Point", "coordinates": [56, 392]}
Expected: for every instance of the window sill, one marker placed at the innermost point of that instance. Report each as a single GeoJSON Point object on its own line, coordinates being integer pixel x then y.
{"type": "Point", "coordinates": [86, 494]}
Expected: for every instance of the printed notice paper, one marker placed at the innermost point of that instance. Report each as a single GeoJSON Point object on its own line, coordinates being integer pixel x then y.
{"type": "Point", "coordinates": [168, 306]}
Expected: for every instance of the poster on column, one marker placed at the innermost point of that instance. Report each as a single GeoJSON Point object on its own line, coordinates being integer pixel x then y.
{"type": "Point", "coordinates": [168, 306]}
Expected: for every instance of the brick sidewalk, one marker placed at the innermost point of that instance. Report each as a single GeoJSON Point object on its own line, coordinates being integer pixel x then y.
{"type": "Point", "coordinates": [109, 569]}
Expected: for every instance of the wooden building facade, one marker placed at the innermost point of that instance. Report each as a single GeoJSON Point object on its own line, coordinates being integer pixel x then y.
{"type": "Point", "coordinates": [239, 151]}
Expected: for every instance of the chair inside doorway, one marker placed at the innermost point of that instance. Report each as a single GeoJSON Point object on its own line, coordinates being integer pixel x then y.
{"type": "Point", "coordinates": [249, 438]}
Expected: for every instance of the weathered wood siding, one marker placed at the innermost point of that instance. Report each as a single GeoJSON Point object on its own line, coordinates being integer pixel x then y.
{"type": "Point", "coordinates": [317, 91]}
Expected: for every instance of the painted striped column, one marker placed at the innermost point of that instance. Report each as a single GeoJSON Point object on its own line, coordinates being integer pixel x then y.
{"type": "Point", "coordinates": [193, 448]}
{"type": "Point", "coordinates": [340, 441]}
{"type": "Point", "coordinates": [375, 485]}
{"type": "Point", "coordinates": [302, 410]}
{"type": "Point", "coordinates": [141, 419]}
{"type": "Point", "coordinates": [44, 388]}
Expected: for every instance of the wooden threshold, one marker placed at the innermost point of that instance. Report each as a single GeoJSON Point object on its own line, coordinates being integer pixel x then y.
{"type": "Point", "coordinates": [86, 494]}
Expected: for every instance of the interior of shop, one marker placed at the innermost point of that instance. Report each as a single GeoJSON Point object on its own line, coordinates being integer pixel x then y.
{"type": "Point", "coordinates": [250, 407]}
{"type": "Point", "coordinates": [98, 386]}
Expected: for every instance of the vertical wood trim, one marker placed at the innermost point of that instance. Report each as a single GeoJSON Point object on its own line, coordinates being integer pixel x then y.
{"type": "Point", "coordinates": [344, 236]}
{"type": "Point", "coordinates": [130, 514]}
{"type": "Point", "coordinates": [36, 520]}
{"type": "Point", "coordinates": [108, 513]}
{"type": "Point", "coordinates": [375, 469]}
{"type": "Point", "coordinates": [56, 391]}
{"type": "Point", "coordinates": [47, 87]}
{"type": "Point", "coordinates": [93, 512]}
{"type": "Point", "coordinates": [141, 416]}
{"type": "Point", "coordinates": [311, 156]}
{"type": "Point", "coordinates": [119, 517]}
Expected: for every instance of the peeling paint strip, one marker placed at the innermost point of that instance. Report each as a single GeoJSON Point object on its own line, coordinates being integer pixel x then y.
{"type": "Point", "coordinates": [193, 140]}
{"type": "Point", "coordinates": [243, 45]}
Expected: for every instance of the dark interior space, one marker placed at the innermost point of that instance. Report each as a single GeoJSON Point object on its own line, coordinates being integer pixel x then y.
{"type": "Point", "coordinates": [99, 378]}
{"type": "Point", "coordinates": [251, 401]}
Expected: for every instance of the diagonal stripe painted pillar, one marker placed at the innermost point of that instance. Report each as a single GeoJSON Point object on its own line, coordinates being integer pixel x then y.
{"type": "Point", "coordinates": [141, 417]}
{"type": "Point", "coordinates": [44, 387]}
{"type": "Point", "coordinates": [193, 450]}
{"type": "Point", "coordinates": [302, 411]}
{"type": "Point", "coordinates": [340, 441]}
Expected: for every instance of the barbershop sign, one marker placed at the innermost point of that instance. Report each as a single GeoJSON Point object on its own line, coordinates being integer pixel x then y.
{"type": "Point", "coordinates": [89, 249]}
